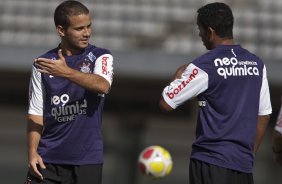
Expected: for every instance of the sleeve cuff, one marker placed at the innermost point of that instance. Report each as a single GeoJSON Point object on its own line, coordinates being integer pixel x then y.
{"type": "Point", "coordinates": [265, 112]}
{"type": "Point", "coordinates": [169, 101]}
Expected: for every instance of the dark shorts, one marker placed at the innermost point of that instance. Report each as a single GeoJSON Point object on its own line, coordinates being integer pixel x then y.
{"type": "Point", "coordinates": [204, 173]}
{"type": "Point", "coordinates": [68, 174]}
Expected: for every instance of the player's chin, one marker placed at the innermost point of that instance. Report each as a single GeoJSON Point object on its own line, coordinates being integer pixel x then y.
{"type": "Point", "coordinates": [83, 45]}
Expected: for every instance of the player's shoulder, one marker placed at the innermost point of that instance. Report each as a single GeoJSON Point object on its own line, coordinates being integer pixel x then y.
{"type": "Point", "coordinates": [254, 58]}
{"type": "Point", "coordinates": [50, 53]}
{"type": "Point", "coordinates": [251, 53]}
{"type": "Point", "coordinates": [98, 51]}
{"type": "Point", "coordinates": [205, 59]}
{"type": "Point", "coordinates": [224, 51]}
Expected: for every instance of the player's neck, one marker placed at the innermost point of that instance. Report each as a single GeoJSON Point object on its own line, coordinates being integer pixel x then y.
{"type": "Point", "coordinates": [68, 51]}
{"type": "Point", "coordinates": [221, 41]}
{"type": "Point", "coordinates": [227, 42]}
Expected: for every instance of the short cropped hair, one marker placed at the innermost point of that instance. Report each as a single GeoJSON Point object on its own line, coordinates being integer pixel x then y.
{"type": "Point", "coordinates": [67, 9]}
{"type": "Point", "coordinates": [219, 17]}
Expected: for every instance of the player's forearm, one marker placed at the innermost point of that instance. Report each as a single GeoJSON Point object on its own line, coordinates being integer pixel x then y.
{"type": "Point", "coordinates": [89, 81]}
{"type": "Point", "coordinates": [33, 141]}
{"type": "Point", "coordinates": [261, 130]}
{"type": "Point", "coordinates": [34, 130]}
{"type": "Point", "coordinates": [164, 106]}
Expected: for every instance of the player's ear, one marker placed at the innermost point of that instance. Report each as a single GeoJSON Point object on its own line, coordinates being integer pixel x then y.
{"type": "Point", "coordinates": [61, 31]}
{"type": "Point", "coordinates": [211, 33]}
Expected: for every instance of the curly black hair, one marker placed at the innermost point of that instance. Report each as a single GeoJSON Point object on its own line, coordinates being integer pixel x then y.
{"type": "Point", "coordinates": [217, 16]}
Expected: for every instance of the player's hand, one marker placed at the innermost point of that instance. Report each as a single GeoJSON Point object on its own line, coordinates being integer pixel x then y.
{"type": "Point", "coordinates": [34, 164]}
{"type": "Point", "coordinates": [179, 72]}
{"type": "Point", "coordinates": [53, 67]}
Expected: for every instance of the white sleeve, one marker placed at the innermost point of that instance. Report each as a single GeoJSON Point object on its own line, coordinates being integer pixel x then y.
{"type": "Point", "coordinates": [36, 93]}
{"type": "Point", "coordinates": [104, 67]}
{"type": "Point", "coordinates": [264, 103]}
{"type": "Point", "coordinates": [278, 126]}
{"type": "Point", "coordinates": [192, 82]}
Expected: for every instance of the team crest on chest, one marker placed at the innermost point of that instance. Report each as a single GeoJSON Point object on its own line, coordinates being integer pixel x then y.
{"type": "Point", "coordinates": [85, 68]}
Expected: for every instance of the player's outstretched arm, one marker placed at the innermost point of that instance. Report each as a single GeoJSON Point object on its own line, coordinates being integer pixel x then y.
{"type": "Point", "coordinates": [92, 82]}
{"type": "Point", "coordinates": [34, 130]}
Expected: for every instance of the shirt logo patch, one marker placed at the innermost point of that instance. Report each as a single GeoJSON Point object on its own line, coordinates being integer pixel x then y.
{"type": "Point", "coordinates": [202, 103]}
{"type": "Point", "coordinates": [91, 56]}
{"type": "Point", "coordinates": [105, 65]}
{"type": "Point", "coordinates": [227, 67]}
{"type": "Point", "coordinates": [63, 111]}
{"type": "Point", "coordinates": [85, 68]}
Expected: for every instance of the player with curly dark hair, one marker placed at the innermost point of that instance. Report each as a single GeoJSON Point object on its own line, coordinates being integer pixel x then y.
{"type": "Point", "coordinates": [232, 90]}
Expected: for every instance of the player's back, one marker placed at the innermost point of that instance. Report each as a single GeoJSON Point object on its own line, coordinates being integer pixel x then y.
{"type": "Point", "coordinates": [229, 107]}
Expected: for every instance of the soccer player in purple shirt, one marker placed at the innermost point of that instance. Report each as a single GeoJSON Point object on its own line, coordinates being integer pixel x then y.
{"type": "Point", "coordinates": [231, 87]}
{"type": "Point", "coordinates": [67, 90]}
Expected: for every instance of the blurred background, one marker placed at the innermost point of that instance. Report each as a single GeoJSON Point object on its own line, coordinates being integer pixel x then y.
{"type": "Point", "coordinates": [149, 40]}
